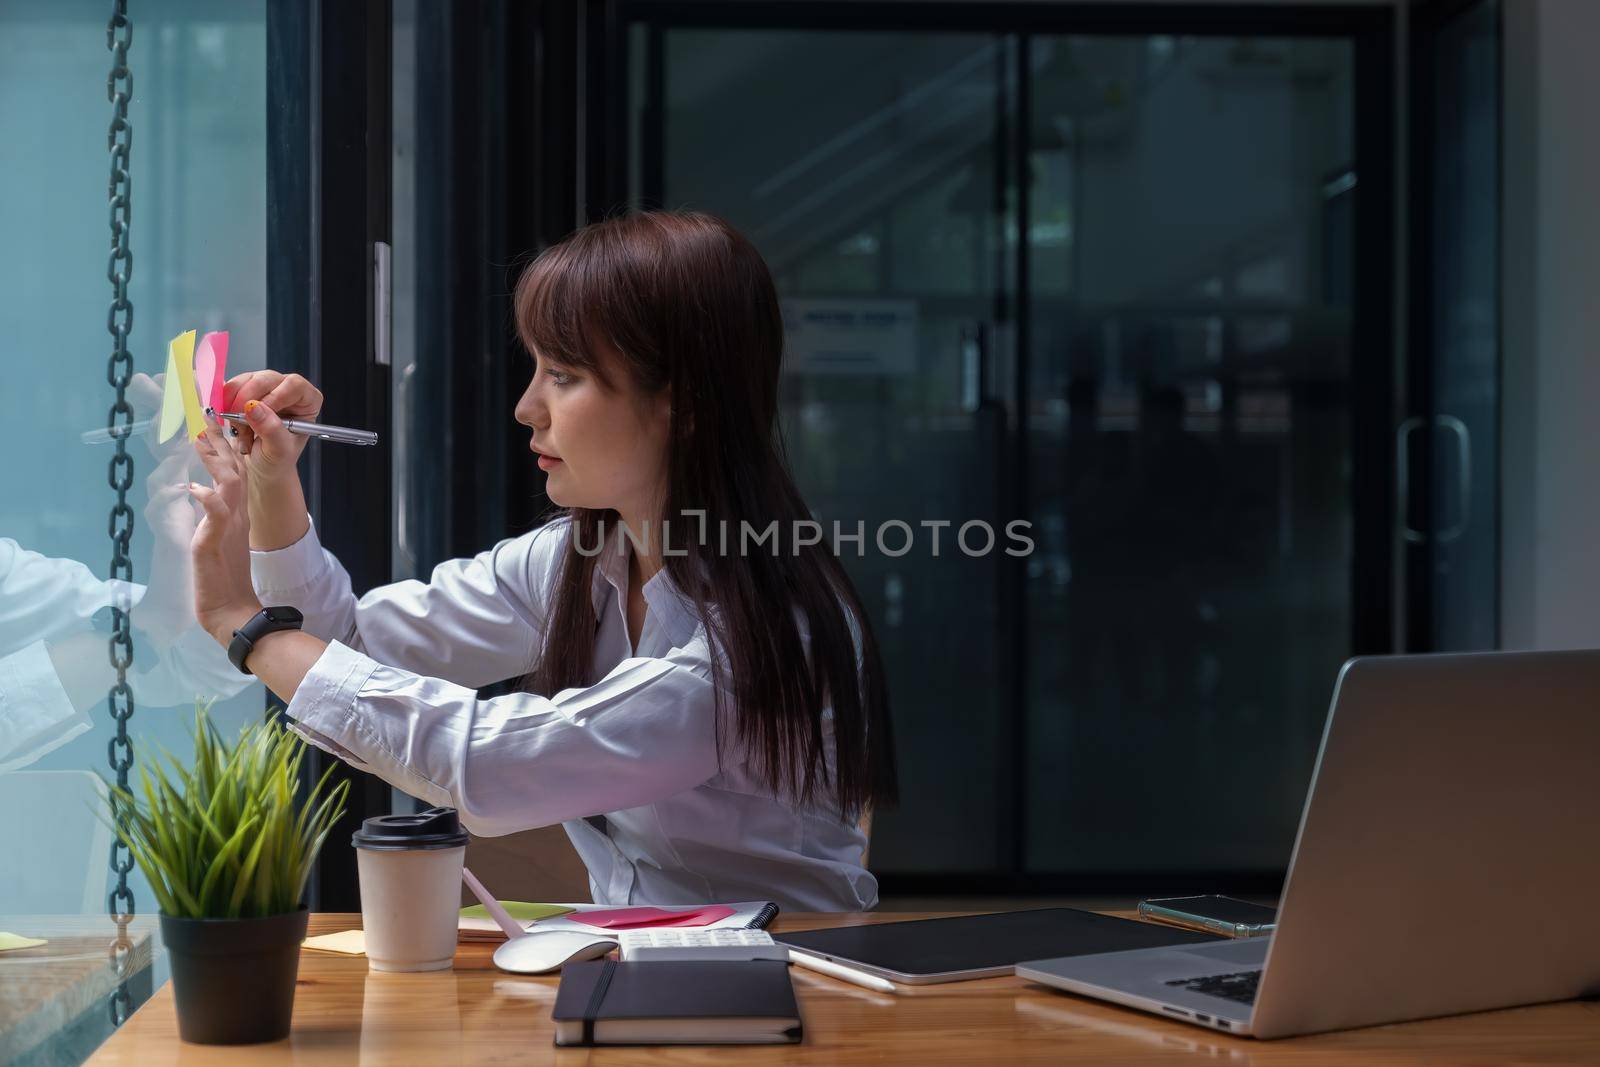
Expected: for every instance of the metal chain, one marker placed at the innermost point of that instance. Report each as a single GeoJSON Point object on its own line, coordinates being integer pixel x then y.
{"type": "Point", "coordinates": [119, 420]}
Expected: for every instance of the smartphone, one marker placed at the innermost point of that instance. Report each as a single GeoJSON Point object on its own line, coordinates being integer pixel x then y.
{"type": "Point", "coordinates": [1213, 914]}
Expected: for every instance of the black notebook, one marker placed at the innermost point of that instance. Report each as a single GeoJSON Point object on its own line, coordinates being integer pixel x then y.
{"type": "Point", "coordinates": [743, 1002]}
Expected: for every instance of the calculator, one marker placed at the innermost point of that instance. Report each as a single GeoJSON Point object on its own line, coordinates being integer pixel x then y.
{"type": "Point", "coordinates": [688, 943]}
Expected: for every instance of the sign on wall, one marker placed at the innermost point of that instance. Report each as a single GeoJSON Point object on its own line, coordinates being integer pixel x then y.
{"type": "Point", "coordinates": [844, 336]}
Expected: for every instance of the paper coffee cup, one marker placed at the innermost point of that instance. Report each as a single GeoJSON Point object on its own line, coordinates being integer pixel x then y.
{"type": "Point", "coordinates": [409, 868]}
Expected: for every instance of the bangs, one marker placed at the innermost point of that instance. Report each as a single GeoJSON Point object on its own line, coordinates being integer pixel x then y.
{"type": "Point", "coordinates": [557, 307]}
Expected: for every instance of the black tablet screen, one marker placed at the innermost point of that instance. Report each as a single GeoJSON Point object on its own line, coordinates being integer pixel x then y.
{"type": "Point", "coordinates": [983, 942]}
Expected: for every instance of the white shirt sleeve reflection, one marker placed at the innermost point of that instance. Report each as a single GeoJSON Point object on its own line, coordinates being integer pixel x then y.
{"type": "Point", "coordinates": [48, 609]}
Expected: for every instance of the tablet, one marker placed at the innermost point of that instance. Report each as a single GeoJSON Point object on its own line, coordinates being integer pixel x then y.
{"type": "Point", "coordinates": [924, 951]}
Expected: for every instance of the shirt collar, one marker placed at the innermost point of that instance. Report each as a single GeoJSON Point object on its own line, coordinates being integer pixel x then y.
{"type": "Point", "coordinates": [674, 612]}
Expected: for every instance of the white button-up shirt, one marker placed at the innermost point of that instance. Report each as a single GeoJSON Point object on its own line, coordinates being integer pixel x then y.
{"type": "Point", "coordinates": [395, 694]}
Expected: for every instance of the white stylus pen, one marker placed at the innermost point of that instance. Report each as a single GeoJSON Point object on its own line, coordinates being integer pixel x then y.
{"type": "Point", "coordinates": [492, 906]}
{"type": "Point", "coordinates": [840, 971]}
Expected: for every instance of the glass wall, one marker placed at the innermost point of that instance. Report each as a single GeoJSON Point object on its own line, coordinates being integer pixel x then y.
{"type": "Point", "coordinates": [1158, 379]}
{"type": "Point", "coordinates": [1189, 443]}
{"type": "Point", "coordinates": [198, 242]}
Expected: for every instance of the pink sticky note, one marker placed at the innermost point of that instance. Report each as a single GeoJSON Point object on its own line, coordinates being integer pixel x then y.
{"type": "Point", "coordinates": [219, 346]}
{"type": "Point", "coordinates": [205, 371]}
{"type": "Point", "coordinates": [210, 369]}
{"type": "Point", "coordinates": [623, 918]}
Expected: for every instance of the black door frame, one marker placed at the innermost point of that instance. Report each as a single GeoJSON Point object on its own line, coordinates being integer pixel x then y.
{"type": "Point", "coordinates": [1416, 512]}
{"type": "Point", "coordinates": [1374, 402]}
{"type": "Point", "coordinates": [328, 191]}
{"type": "Point", "coordinates": [498, 191]}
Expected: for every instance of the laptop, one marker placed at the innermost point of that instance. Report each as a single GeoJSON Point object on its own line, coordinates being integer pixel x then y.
{"type": "Point", "coordinates": [1445, 863]}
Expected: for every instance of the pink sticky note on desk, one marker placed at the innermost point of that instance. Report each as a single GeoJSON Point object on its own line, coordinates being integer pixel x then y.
{"type": "Point", "coordinates": [624, 918]}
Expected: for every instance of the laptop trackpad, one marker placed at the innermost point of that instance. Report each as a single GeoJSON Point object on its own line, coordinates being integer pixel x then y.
{"type": "Point", "coordinates": [1251, 950]}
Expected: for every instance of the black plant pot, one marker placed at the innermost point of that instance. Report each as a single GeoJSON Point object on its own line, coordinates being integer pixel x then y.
{"type": "Point", "coordinates": [233, 979]}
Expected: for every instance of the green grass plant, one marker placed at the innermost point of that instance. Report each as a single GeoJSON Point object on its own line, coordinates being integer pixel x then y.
{"type": "Point", "coordinates": [224, 837]}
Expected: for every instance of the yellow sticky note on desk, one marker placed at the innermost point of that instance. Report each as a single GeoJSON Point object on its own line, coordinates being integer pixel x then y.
{"type": "Point", "coordinates": [351, 942]}
{"type": "Point", "coordinates": [520, 910]}
{"type": "Point", "coordinates": [14, 941]}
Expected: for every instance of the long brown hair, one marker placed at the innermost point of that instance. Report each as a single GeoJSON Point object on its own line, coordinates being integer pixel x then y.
{"type": "Point", "coordinates": [689, 304]}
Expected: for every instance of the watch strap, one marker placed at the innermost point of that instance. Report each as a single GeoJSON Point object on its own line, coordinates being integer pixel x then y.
{"type": "Point", "coordinates": [266, 621]}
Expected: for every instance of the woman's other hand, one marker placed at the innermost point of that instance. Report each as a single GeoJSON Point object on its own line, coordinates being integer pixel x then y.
{"type": "Point", "coordinates": [224, 598]}
{"type": "Point", "coordinates": [167, 608]}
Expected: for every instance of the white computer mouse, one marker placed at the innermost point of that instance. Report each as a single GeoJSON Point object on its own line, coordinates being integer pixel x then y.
{"type": "Point", "coordinates": [543, 951]}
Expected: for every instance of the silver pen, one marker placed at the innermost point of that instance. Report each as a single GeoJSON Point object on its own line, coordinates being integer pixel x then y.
{"type": "Point", "coordinates": [344, 435]}
{"type": "Point", "coordinates": [339, 434]}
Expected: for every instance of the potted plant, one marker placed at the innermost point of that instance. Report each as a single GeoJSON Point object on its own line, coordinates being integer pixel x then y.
{"type": "Point", "coordinates": [228, 851]}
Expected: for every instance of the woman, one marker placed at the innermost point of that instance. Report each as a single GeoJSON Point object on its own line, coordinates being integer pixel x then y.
{"type": "Point", "coordinates": [707, 723]}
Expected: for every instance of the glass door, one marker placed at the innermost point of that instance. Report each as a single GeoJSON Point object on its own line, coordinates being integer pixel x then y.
{"type": "Point", "coordinates": [1189, 422]}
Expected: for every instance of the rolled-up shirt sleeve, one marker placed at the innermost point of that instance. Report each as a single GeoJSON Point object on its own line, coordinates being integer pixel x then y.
{"type": "Point", "coordinates": [643, 733]}
{"type": "Point", "coordinates": [474, 622]}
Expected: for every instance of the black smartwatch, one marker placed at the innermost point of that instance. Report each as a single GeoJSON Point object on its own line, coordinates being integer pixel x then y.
{"type": "Point", "coordinates": [264, 622]}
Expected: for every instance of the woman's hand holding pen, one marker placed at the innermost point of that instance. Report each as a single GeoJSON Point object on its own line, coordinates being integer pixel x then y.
{"type": "Point", "coordinates": [269, 451]}
{"type": "Point", "coordinates": [273, 450]}
{"type": "Point", "coordinates": [224, 597]}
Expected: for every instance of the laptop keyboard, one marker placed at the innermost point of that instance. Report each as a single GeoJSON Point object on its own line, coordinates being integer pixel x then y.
{"type": "Point", "coordinates": [1240, 986]}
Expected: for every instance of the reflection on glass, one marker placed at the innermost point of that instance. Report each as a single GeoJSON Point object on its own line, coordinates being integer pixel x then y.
{"type": "Point", "coordinates": [198, 239]}
{"type": "Point", "coordinates": [54, 663]}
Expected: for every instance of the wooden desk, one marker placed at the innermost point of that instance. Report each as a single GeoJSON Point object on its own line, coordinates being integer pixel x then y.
{"type": "Point", "coordinates": [474, 1014]}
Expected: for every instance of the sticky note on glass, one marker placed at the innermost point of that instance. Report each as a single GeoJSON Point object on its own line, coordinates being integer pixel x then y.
{"type": "Point", "coordinates": [179, 397]}
{"type": "Point", "coordinates": [171, 399]}
{"type": "Point", "coordinates": [350, 942]}
{"type": "Point", "coordinates": [9, 942]}
{"type": "Point", "coordinates": [519, 910]}
{"type": "Point", "coordinates": [211, 369]}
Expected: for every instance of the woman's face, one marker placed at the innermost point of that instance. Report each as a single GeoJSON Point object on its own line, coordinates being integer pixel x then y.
{"type": "Point", "coordinates": [602, 448]}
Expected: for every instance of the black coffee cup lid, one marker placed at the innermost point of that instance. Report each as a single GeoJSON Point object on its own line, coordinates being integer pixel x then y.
{"type": "Point", "coordinates": [434, 828]}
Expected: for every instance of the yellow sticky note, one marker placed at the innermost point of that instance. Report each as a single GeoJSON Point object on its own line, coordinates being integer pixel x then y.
{"type": "Point", "coordinates": [13, 941]}
{"type": "Point", "coordinates": [180, 358]}
{"type": "Point", "coordinates": [171, 399]}
{"type": "Point", "coordinates": [351, 942]}
{"type": "Point", "coordinates": [520, 910]}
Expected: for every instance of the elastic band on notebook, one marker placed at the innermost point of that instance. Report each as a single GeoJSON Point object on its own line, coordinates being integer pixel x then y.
{"type": "Point", "coordinates": [596, 997]}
